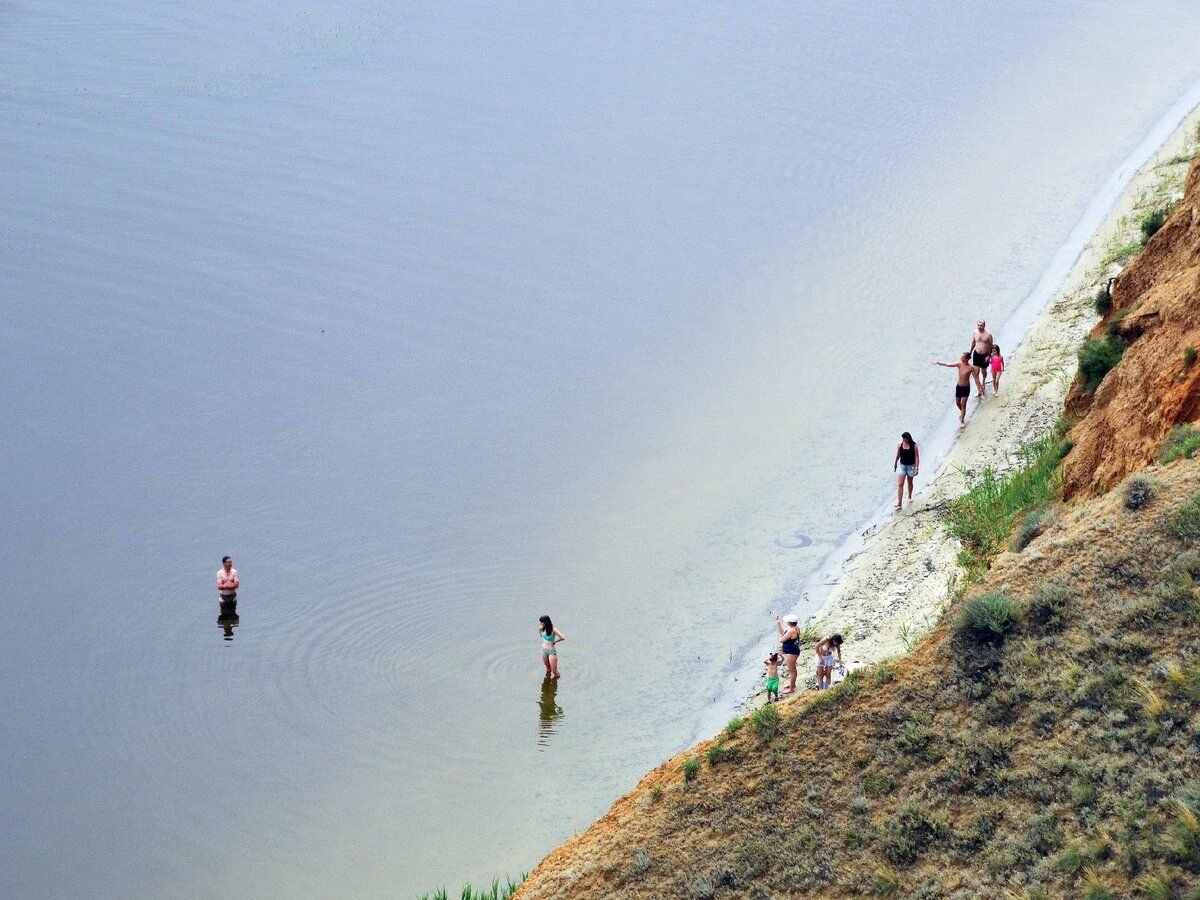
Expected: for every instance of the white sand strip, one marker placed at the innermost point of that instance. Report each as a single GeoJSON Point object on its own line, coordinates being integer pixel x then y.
{"type": "Point", "coordinates": [895, 584]}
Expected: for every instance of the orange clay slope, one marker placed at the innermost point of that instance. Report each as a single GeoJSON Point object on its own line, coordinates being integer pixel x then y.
{"type": "Point", "coordinates": [1156, 307]}
{"type": "Point", "coordinates": [1043, 741]}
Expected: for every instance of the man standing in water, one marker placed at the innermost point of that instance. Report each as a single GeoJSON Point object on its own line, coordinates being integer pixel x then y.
{"type": "Point", "coordinates": [227, 582]}
{"type": "Point", "coordinates": [963, 389]}
{"type": "Point", "coordinates": [981, 349]}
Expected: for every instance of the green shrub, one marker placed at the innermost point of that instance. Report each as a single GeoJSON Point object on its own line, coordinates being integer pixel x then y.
{"type": "Point", "coordinates": [734, 726]}
{"type": "Point", "coordinates": [883, 673]}
{"type": "Point", "coordinates": [908, 833]}
{"type": "Point", "coordinates": [1138, 492]}
{"type": "Point", "coordinates": [1082, 791]}
{"type": "Point", "coordinates": [1094, 888]}
{"type": "Point", "coordinates": [766, 721]}
{"type": "Point", "coordinates": [1182, 680]}
{"type": "Point", "coordinates": [701, 887]}
{"type": "Point", "coordinates": [1156, 887]}
{"type": "Point", "coordinates": [1185, 833]}
{"type": "Point", "coordinates": [1098, 358]}
{"type": "Point", "coordinates": [986, 617]}
{"type": "Point", "coordinates": [1102, 301]}
{"type": "Point", "coordinates": [1152, 222]}
{"type": "Point", "coordinates": [980, 761]}
{"type": "Point", "coordinates": [878, 784]}
{"type": "Point", "coordinates": [1048, 607]}
{"type": "Point", "coordinates": [691, 768]}
{"type": "Point", "coordinates": [497, 891]}
{"type": "Point", "coordinates": [1189, 357]}
{"type": "Point", "coordinates": [641, 863]}
{"type": "Point", "coordinates": [1185, 521]}
{"type": "Point", "coordinates": [753, 858]}
{"type": "Point", "coordinates": [885, 881]}
{"type": "Point", "coordinates": [1031, 526]}
{"type": "Point", "coordinates": [720, 752]}
{"type": "Point", "coordinates": [848, 687]}
{"type": "Point", "coordinates": [983, 517]}
{"type": "Point", "coordinates": [913, 736]}
{"type": "Point", "coordinates": [1182, 441]}
{"type": "Point", "coordinates": [1072, 859]}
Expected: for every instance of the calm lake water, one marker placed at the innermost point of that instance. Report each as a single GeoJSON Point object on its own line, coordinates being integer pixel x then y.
{"type": "Point", "coordinates": [438, 317]}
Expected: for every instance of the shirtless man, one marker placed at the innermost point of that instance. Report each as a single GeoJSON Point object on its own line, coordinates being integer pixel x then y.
{"type": "Point", "coordinates": [227, 582]}
{"type": "Point", "coordinates": [963, 389]}
{"type": "Point", "coordinates": [981, 349]}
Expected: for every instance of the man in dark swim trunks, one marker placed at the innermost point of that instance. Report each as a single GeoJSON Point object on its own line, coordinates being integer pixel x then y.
{"type": "Point", "coordinates": [981, 349]}
{"type": "Point", "coordinates": [962, 390]}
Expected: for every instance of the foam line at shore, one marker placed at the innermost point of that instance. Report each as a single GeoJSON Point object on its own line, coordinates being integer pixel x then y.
{"type": "Point", "coordinates": [1045, 329]}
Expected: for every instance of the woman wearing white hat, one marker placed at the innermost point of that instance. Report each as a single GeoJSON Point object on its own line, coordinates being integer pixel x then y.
{"type": "Point", "coordinates": [789, 639]}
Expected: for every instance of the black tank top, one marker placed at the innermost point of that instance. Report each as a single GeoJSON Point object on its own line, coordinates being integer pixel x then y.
{"type": "Point", "coordinates": [908, 457]}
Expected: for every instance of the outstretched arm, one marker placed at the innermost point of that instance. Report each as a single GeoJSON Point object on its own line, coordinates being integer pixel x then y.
{"type": "Point", "coordinates": [938, 362]}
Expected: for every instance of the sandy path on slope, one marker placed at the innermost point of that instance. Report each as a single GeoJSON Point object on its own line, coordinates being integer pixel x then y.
{"type": "Point", "coordinates": [900, 579]}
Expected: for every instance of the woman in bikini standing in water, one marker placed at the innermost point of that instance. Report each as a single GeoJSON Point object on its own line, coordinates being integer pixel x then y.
{"type": "Point", "coordinates": [790, 639]}
{"type": "Point", "coordinates": [550, 637]}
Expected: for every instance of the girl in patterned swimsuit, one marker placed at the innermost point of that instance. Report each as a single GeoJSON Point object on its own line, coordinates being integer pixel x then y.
{"type": "Point", "coordinates": [550, 637]}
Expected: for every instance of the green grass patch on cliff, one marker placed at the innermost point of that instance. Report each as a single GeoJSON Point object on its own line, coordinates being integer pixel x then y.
{"type": "Point", "coordinates": [1098, 357]}
{"type": "Point", "coordinates": [497, 891]}
{"type": "Point", "coordinates": [1183, 441]}
{"type": "Point", "coordinates": [983, 517]}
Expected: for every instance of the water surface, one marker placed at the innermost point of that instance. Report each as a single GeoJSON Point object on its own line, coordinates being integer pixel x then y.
{"type": "Point", "coordinates": [440, 317]}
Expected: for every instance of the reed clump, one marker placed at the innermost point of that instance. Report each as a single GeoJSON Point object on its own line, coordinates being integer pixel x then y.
{"type": "Point", "coordinates": [983, 518]}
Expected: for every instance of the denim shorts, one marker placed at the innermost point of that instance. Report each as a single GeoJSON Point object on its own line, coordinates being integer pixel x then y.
{"type": "Point", "coordinates": [910, 471]}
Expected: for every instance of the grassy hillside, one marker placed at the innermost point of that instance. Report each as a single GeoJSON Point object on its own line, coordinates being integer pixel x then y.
{"type": "Point", "coordinates": [1043, 741]}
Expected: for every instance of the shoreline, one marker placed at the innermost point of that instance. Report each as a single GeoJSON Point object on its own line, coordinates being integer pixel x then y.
{"type": "Point", "coordinates": [888, 582]}
{"type": "Point", "coordinates": [900, 572]}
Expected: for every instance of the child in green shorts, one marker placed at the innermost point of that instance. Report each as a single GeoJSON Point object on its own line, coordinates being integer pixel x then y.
{"type": "Point", "coordinates": [773, 662]}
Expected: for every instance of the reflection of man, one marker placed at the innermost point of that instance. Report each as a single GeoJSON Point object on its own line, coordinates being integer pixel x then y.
{"type": "Point", "coordinates": [227, 581]}
{"type": "Point", "coordinates": [228, 620]}
{"type": "Point", "coordinates": [981, 349]}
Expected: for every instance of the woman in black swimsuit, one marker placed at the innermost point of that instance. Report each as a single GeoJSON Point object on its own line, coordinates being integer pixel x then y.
{"type": "Point", "coordinates": [908, 457]}
{"type": "Point", "coordinates": [790, 640]}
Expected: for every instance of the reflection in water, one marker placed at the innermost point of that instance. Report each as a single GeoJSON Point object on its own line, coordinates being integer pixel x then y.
{"type": "Point", "coordinates": [549, 712]}
{"type": "Point", "coordinates": [227, 619]}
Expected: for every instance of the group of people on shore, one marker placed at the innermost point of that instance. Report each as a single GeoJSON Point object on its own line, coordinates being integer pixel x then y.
{"type": "Point", "coordinates": [826, 649]}
{"type": "Point", "coordinates": [982, 358]}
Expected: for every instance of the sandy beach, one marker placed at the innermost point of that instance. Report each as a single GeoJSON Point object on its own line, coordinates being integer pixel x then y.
{"type": "Point", "coordinates": [889, 585]}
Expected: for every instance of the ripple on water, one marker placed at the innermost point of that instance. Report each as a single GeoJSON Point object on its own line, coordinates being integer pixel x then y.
{"type": "Point", "coordinates": [796, 540]}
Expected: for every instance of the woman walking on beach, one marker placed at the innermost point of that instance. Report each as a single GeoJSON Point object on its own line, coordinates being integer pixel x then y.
{"type": "Point", "coordinates": [963, 389]}
{"type": "Point", "coordinates": [789, 638]}
{"type": "Point", "coordinates": [908, 457]}
{"type": "Point", "coordinates": [550, 637]}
